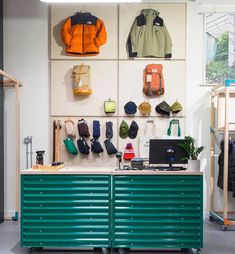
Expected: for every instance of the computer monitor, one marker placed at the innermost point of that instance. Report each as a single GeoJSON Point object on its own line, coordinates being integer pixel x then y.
{"type": "Point", "coordinates": [166, 151]}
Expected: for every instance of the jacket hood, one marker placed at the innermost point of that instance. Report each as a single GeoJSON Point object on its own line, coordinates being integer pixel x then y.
{"type": "Point", "coordinates": [147, 12]}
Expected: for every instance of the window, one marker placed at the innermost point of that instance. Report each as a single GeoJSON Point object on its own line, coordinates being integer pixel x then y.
{"type": "Point", "coordinates": [220, 47]}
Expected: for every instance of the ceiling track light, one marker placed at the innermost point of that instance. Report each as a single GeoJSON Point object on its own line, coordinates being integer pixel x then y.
{"type": "Point", "coordinates": [91, 1]}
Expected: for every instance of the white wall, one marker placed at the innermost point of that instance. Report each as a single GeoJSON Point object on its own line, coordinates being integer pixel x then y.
{"type": "Point", "coordinates": [25, 57]}
{"type": "Point", "coordinates": [197, 97]}
{"type": "Point", "coordinates": [198, 102]}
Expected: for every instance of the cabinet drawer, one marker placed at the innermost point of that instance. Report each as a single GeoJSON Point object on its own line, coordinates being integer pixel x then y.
{"type": "Point", "coordinates": [65, 210]}
{"type": "Point", "coordinates": [157, 211]}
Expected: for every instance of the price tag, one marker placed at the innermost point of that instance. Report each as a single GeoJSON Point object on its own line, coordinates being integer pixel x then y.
{"type": "Point", "coordinates": [149, 78]}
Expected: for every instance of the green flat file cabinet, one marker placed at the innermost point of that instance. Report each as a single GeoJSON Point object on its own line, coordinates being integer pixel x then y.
{"type": "Point", "coordinates": [157, 211]}
{"type": "Point", "coordinates": [65, 210]}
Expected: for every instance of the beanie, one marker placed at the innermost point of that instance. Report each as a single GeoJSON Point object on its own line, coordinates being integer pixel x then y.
{"type": "Point", "coordinates": [176, 107]}
{"type": "Point", "coordinates": [145, 108]}
{"type": "Point", "coordinates": [129, 152]}
{"type": "Point", "coordinates": [163, 108]}
{"type": "Point", "coordinates": [130, 108]}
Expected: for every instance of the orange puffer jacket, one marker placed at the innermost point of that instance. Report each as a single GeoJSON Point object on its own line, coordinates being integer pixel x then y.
{"type": "Point", "coordinates": [83, 34]}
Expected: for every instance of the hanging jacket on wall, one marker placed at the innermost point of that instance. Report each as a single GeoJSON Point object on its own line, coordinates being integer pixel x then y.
{"type": "Point", "coordinates": [83, 34]}
{"type": "Point", "coordinates": [231, 167]}
{"type": "Point", "coordinates": [149, 36]}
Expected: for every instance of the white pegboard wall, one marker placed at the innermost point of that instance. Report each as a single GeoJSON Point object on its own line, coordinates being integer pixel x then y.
{"type": "Point", "coordinates": [115, 76]}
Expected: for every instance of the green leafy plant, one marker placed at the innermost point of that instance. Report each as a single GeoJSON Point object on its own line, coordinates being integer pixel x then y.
{"type": "Point", "coordinates": [190, 147]}
{"type": "Point", "coordinates": [218, 69]}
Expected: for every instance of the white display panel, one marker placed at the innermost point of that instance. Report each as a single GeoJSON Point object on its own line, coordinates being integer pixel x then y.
{"type": "Point", "coordinates": [174, 16]}
{"type": "Point", "coordinates": [103, 77]}
{"type": "Point", "coordinates": [131, 84]}
{"type": "Point", "coordinates": [107, 13]}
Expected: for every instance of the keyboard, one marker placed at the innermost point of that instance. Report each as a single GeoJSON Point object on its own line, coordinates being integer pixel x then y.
{"type": "Point", "coordinates": [162, 168]}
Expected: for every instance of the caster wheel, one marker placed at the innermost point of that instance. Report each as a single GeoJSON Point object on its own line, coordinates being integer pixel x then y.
{"type": "Point", "coordinates": [224, 228]}
{"type": "Point", "coordinates": [121, 251]}
{"type": "Point", "coordinates": [211, 218]}
{"type": "Point", "coordinates": [30, 250]}
{"type": "Point", "coordinates": [196, 251]}
{"type": "Point", "coordinates": [105, 251]}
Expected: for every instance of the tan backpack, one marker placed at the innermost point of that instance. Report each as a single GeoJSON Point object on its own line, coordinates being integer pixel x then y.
{"type": "Point", "coordinates": [81, 80]}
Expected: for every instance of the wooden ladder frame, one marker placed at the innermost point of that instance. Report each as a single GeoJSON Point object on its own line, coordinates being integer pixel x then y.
{"type": "Point", "coordinates": [10, 82]}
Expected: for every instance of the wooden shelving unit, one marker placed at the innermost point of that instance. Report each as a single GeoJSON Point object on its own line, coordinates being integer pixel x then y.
{"type": "Point", "coordinates": [227, 92]}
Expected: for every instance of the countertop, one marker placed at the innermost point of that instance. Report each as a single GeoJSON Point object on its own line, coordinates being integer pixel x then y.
{"type": "Point", "coordinates": [105, 171]}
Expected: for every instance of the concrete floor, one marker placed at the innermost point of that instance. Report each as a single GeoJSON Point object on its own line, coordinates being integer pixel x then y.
{"type": "Point", "coordinates": [215, 241]}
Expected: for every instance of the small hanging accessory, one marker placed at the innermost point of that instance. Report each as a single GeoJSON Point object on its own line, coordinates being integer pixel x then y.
{"type": "Point", "coordinates": [109, 130]}
{"type": "Point", "coordinates": [83, 129]}
{"type": "Point", "coordinates": [109, 106]}
{"type": "Point", "coordinates": [57, 140]}
{"type": "Point", "coordinates": [110, 148]}
{"type": "Point", "coordinates": [172, 122]}
{"type": "Point", "coordinates": [95, 144]}
{"type": "Point", "coordinates": [81, 80]}
{"type": "Point", "coordinates": [71, 148]}
{"type": "Point", "coordinates": [83, 146]}
{"type": "Point", "coordinates": [70, 128]}
{"type": "Point", "coordinates": [96, 129]}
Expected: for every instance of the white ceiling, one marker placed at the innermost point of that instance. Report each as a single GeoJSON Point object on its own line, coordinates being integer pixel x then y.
{"type": "Point", "coordinates": [216, 1]}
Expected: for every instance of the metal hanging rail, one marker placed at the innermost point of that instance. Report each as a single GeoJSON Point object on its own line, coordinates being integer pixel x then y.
{"type": "Point", "coordinates": [226, 91]}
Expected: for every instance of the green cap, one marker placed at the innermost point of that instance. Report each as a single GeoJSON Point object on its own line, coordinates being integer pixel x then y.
{"type": "Point", "coordinates": [124, 129]}
{"type": "Point", "coordinates": [176, 107]}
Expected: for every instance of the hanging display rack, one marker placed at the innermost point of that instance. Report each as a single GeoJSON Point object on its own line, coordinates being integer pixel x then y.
{"type": "Point", "coordinates": [10, 82]}
{"type": "Point", "coordinates": [227, 91]}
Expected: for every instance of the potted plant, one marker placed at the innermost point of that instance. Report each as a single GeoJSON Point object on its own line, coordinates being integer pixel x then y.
{"type": "Point", "coordinates": [192, 152]}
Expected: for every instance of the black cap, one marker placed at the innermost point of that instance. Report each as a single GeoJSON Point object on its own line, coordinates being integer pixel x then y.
{"type": "Point", "coordinates": [133, 131]}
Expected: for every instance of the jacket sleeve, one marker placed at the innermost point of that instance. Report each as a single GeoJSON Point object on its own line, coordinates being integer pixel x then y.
{"type": "Point", "coordinates": [66, 32]}
{"type": "Point", "coordinates": [168, 43]}
{"type": "Point", "coordinates": [101, 35]}
{"type": "Point", "coordinates": [132, 40]}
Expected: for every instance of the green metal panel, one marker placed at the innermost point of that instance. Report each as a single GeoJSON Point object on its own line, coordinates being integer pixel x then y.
{"type": "Point", "coordinates": [157, 211]}
{"type": "Point", "coordinates": [65, 210]}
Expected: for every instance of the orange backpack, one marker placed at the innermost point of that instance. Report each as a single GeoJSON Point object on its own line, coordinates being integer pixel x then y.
{"type": "Point", "coordinates": [153, 80]}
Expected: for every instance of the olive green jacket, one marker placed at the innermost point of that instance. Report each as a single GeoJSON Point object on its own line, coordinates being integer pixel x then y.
{"type": "Point", "coordinates": [149, 36]}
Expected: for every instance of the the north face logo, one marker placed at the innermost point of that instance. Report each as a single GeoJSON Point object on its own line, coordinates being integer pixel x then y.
{"type": "Point", "coordinates": [157, 24]}
{"type": "Point", "coordinates": [89, 22]}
